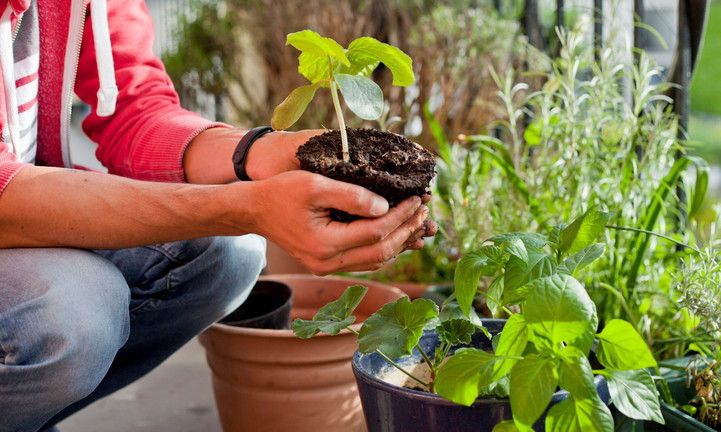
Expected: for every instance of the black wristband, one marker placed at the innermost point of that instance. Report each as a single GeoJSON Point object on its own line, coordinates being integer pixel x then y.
{"type": "Point", "coordinates": [241, 151]}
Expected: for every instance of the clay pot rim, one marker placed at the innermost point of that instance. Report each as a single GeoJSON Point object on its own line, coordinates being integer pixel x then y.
{"type": "Point", "coordinates": [271, 333]}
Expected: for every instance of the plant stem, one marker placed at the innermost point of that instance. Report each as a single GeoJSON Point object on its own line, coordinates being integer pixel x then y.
{"type": "Point", "coordinates": [397, 366]}
{"type": "Point", "coordinates": [341, 121]}
{"type": "Point", "coordinates": [643, 231]}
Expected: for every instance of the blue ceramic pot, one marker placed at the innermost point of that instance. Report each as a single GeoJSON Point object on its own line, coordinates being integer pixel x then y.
{"type": "Point", "coordinates": [389, 408]}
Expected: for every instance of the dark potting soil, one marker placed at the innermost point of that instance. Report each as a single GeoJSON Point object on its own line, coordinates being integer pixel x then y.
{"type": "Point", "coordinates": [388, 164]}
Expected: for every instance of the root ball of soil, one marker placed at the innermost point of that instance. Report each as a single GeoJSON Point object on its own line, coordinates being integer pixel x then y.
{"type": "Point", "coordinates": [388, 164]}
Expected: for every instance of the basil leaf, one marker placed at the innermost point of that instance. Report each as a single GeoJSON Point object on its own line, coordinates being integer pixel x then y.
{"type": "Point", "coordinates": [580, 415]}
{"type": "Point", "coordinates": [620, 347]}
{"type": "Point", "coordinates": [559, 311]}
{"type": "Point", "coordinates": [533, 382]}
{"type": "Point", "coordinates": [583, 231]}
{"type": "Point", "coordinates": [634, 394]}
{"type": "Point", "coordinates": [462, 376]}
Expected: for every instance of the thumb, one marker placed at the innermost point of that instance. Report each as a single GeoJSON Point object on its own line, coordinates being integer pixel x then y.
{"type": "Point", "coordinates": [352, 199]}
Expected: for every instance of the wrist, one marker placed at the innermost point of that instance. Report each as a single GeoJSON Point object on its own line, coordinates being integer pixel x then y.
{"type": "Point", "coordinates": [239, 207]}
{"type": "Point", "coordinates": [209, 156]}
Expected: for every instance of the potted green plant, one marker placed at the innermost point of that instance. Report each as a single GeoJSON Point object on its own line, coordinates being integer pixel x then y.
{"type": "Point", "coordinates": [693, 380]}
{"type": "Point", "coordinates": [531, 371]}
{"type": "Point", "coordinates": [383, 162]}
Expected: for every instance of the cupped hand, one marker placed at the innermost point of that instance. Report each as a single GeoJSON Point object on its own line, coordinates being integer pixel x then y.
{"type": "Point", "coordinates": [294, 210]}
{"type": "Point", "coordinates": [274, 153]}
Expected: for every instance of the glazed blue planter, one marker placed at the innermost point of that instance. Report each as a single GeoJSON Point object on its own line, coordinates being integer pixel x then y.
{"type": "Point", "coordinates": [389, 408]}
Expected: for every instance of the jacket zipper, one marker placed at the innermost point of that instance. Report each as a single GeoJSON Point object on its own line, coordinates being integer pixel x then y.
{"type": "Point", "coordinates": [70, 71]}
{"type": "Point", "coordinates": [16, 30]}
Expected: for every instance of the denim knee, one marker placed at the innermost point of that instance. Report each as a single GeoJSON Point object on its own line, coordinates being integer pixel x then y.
{"type": "Point", "coordinates": [241, 260]}
{"type": "Point", "coordinates": [60, 340]}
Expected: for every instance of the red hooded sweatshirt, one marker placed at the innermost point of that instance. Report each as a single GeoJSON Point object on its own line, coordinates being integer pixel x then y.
{"type": "Point", "coordinates": [86, 49]}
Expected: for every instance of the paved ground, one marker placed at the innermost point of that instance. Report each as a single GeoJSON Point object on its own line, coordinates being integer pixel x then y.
{"type": "Point", "coordinates": [175, 397]}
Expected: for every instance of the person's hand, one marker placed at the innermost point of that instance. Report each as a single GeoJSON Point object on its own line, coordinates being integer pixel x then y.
{"type": "Point", "coordinates": [274, 153]}
{"type": "Point", "coordinates": [293, 209]}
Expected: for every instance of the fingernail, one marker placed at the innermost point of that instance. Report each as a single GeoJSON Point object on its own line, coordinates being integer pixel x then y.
{"type": "Point", "coordinates": [424, 211]}
{"type": "Point", "coordinates": [379, 207]}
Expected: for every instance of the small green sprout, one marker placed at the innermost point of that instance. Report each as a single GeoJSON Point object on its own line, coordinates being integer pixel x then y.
{"type": "Point", "coordinates": [325, 63]}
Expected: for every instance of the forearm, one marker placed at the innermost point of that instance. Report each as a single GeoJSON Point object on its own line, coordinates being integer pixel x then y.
{"type": "Point", "coordinates": [50, 207]}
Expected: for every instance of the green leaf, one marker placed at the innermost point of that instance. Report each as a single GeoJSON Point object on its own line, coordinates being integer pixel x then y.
{"type": "Point", "coordinates": [620, 347]}
{"type": "Point", "coordinates": [494, 295]}
{"type": "Point", "coordinates": [512, 343]}
{"type": "Point", "coordinates": [583, 231]}
{"type": "Point", "coordinates": [316, 68]}
{"type": "Point", "coordinates": [500, 388]}
{"type": "Point", "coordinates": [396, 327]}
{"type": "Point", "coordinates": [365, 52]}
{"type": "Point", "coordinates": [575, 374]}
{"type": "Point", "coordinates": [559, 311]}
{"type": "Point", "coordinates": [516, 247]}
{"type": "Point", "coordinates": [290, 110]}
{"type": "Point", "coordinates": [505, 426]}
{"type": "Point", "coordinates": [308, 41]}
{"type": "Point", "coordinates": [533, 382]}
{"type": "Point", "coordinates": [530, 240]}
{"type": "Point", "coordinates": [333, 317]}
{"type": "Point", "coordinates": [456, 331]}
{"type": "Point", "coordinates": [582, 415]}
{"type": "Point", "coordinates": [519, 273]}
{"type": "Point", "coordinates": [582, 259]}
{"type": "Point", "coordinates": [468, 274]}
{"type": "Point", "coordinates": [362, 95]}
{"type": "Point", "coordinates": [463, 374]}
{"type": "Point", "coordinates": [700, 186]}
{"type": "Point", "coordinates": [634, 394]}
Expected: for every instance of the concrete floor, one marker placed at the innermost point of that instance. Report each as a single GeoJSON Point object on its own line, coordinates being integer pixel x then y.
{"type": "Point", "coordinates": [177, 396]}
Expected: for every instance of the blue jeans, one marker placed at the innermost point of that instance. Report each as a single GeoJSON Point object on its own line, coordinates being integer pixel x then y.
{"type": "Point", "coordinates": [77, 325]}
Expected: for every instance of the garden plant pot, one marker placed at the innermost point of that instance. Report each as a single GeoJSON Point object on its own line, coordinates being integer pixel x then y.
{"type": "Point", "coordinates": [269, 380]}
{"type": "Point", "coordinates": [267, 307]}
{"type": "Point", "coordinates": [391, 408]}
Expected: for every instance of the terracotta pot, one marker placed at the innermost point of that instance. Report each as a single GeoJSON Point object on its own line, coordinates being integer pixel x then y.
{"type": "Point", "coordinates": [269, 380]}
{"type": "Point", "coordinates": [280, 262]}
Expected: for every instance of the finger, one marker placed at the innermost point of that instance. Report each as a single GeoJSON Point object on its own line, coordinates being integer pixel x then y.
{"type": "Point", "coordinates": [350, 198]}
{"type": "Point", "coordinates": [418, 235]}
{"type": "Point", "coordinates": [426, 198]}
{"type": "Point", "coordinates": [418, 244]}
{"type": "Point", "coordinates": [370, 257]}
{"type": "Point", "coordinates": [364, 232]}
{"type": "Point", "coordinates": [431, 228]}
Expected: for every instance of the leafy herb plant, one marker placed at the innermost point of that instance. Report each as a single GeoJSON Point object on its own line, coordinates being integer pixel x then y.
{"type": "Point", "coordinates": [545, 343]}
{"type": "Point", "coordinates": [325, 63]}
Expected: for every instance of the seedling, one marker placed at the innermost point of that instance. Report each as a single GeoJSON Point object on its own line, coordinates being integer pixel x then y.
{"type": "Point", "coordinates": [542, 347]}
{"type": "Point", "coordinates": [325, 63]}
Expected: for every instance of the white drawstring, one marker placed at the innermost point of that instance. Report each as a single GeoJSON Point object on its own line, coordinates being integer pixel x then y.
{"type": "Point", "coordinates": [108, 91]}
{"type": "Point", "coordinates": [8, 69]}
